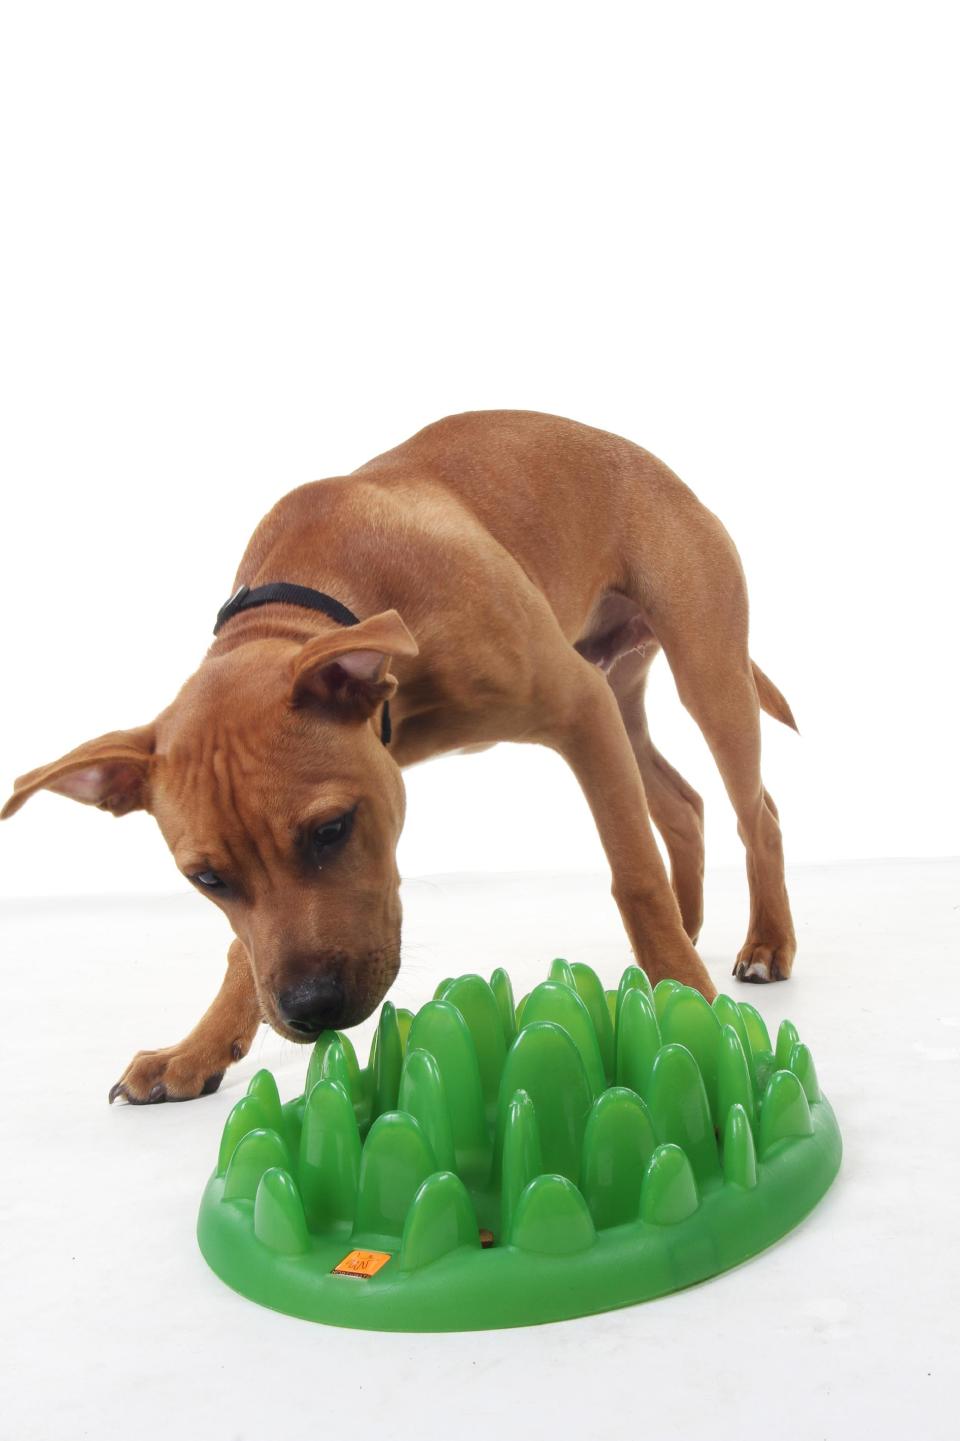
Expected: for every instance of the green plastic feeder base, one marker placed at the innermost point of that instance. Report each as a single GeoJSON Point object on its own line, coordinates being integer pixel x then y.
{"type": "Point", "coordinates": [497, 1165]}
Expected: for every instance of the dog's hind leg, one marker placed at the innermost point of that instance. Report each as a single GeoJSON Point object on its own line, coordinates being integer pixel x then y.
{"type": "Point", "coordinates": [699, 615]}
{"type": "Point", "coordinates": [675, 807]}
{"type": "Point", "coordinates": [585, 726]}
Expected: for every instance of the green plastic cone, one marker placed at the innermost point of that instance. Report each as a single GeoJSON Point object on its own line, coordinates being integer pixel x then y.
{"type": "Point", "coordinates": [669, 1191]}
{"type": "Point", "coordinates": [441, 1219]}
{"type": "Point", "coordinates": [247, 1115]}
{"type": "Point", "coordinates": [440, 1029]}
{"type": "Point", "coordinates": [278, 1220]}
{"type": "Point", "coordinates": [801, 1064]}
{"type": "Point", "coordinates": [739, 1151]}
{"type": "Point", "coordinates": [784, 1111]}
{"type": "Point", "coordinates": [477, 1005]}
{"type": "Point", "coordinates": [560, 1003]}
{"type": "Point", "coordinates": [256, 1153]}
{"type": "Point", "coordinates": [521, 1156]}
{"type": "Point", "coordinates": [617, 1147]}
{"type": "Point", "coordinates": [545, 1062]}
{"type": "Point", "coordinates": [329, 1167]}
{"type": "Point", "coordinates": [396, 1160]}
{"type": "Point", "coordinates": [638, 1040]}
{"type": "Point", "coordinates": [422, 1096]}
{"type": "Point", "coordinates": [680, 1111]}
{"type": "Point", "coordinates": [734, 1081]}
{"type": "Point", "coordinates": [552, 1218]}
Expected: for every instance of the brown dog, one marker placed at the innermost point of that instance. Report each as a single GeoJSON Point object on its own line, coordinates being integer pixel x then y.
{"type": "Point", "coordinates": [539, 566]}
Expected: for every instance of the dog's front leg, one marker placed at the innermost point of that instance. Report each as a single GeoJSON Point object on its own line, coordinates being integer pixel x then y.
{"type": "Point", "coordinates": [195, 1067]}
{"type": "Point", "coordinates": [589, 733]}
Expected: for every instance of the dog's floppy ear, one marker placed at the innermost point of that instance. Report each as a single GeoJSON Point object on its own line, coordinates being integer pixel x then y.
{"type": "Point", "coordinates": [347, 669]}
{"type": "Point", "coordinates": [109, 772]}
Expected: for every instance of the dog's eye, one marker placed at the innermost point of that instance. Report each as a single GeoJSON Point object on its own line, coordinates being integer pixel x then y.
{"type": "Point", "coordinates": [209, 880]}
{"type": "Point", "coordinates": [331, 833]}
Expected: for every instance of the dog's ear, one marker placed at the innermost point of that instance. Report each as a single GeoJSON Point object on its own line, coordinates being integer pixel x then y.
{"type": "Point", "coordinates": [109, 772]}
{"type": "Point", "coordinates": [347, 669]}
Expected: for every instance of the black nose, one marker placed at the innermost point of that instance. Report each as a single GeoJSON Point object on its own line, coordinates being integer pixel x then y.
{"type": "Point", "coordinates": [312, 1005]}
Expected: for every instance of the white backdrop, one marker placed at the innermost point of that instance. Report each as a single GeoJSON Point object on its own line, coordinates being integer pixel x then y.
{"type": "Point", "coordinates": [246, 246]}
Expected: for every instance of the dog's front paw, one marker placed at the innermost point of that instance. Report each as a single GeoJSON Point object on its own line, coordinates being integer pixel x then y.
{"type": "Point", "coordinates": [760, 963]}
{"type": "Point", "coordinates": [178, 1073]}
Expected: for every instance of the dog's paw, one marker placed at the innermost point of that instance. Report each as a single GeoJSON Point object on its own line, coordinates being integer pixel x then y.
{"type": "Point", "coordinates": [177, 1073]}
{"type": "Point", "coordinates": [759, 963]}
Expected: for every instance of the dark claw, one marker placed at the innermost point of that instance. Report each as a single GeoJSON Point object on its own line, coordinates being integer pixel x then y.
{"type": "Point", "coordinates": [119, 1089]}
{"type": "Point", "coordinates": [236, 1051]}
{"type": "Point", "coordinates": [212, 1083]}
{"type": "Point", "coordinates": [159, 1093]}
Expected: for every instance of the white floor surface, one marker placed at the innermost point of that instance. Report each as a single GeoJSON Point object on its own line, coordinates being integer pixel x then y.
{"type": "Point", "coordinates": [112, 1325]}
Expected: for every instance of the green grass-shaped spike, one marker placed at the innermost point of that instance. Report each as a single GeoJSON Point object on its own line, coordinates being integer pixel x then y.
{"type": "Point", "coordinates": [669, 1191]}
{"type": "Point", "coordinates": [562, 972]}
{"type": "Point", "coordinates": [329, 1157]}
{"type": "Point", "coordinates": [278, 1219]}
{"type": "Point", "coordinates": [320, 1047]}
{"type": "Point", "coordinates": [291, 1114]}
{"type": "Point", "coordinates": [662, 992]}
{"type": "Point", "coordinates": [521, 1159]}
{"type": "Point", "coordinates": [441, 1219]}
{"type": "Point", "coordinates": [477, 1005]}
{"type": "Point", "coordinates": [690, 1020]}
{"type": "Point", "coordinates": [739, 1149]}
{"type": "Point", "coordinates": [404, 1022]}
{"type": "Point", "coordinates": [552, 1218]}
{"type": "Point", "coordinates": [397, 1158]}
{"type": "Point", "coordinates": [801, 1064]}
{"type": "Point", "coordinates": [633, 979]}
{"type": "Point", "coordinates": [554, 1001]}
{"type": "Point", "coordinates": [256, 1153]}
{"type": "Point", "coordinates": [503, 993]}
{"type": "Point", "coordinates": [545, 1062]}
{"type": "Point", "coordinates": [521, 1004]}
{"type": "Point", "coordinates": [438, 993]}
{"type": "Point", "coordinates": [335, 1067]}
{"type": "Point", "coordinates": [756, 1027]}
{"type": "Point", "coordinates": [728, 1013]}
{"type": "Point", "coordinates": [617, 1147]}
{"type": "Point", "coordinates": [246, 1116]}
{"type": "Point", "coordinates": [784, 1111]}
{"type": "Point", "coordinates": [591, 993]}
{"type": "Point", "coordinates": [638, 1040]}
{"type": "Point", "coordinates": [680, 1111]}
{"type": "Point", "coordinates": [264, 1089]}
{"type": "Point", "coordinates": [350, 1056]}
{"type": "Point", "coordinates": [734, 1081]}
{"type": "Point", "coordinates": [315, 1066]}
{"type": "Point", "coordinates": [422, 1096]}
{"type": "Point", "coordinates": [612, 1008]}
{"type": "Point", "coordinates": [787, 1038]}
{"type": "Point", "coordinates": [440, 1029]}
{"type": "Point", "coordinates": [389, 1062]}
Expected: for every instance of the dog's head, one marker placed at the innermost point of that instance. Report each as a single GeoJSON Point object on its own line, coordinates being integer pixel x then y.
{"type": "Point", "coordinates": [278, 801]}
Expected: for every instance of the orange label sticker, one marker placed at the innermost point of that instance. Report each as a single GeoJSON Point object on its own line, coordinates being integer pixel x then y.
{"type": "Point", "coordinates": [361, 1263]}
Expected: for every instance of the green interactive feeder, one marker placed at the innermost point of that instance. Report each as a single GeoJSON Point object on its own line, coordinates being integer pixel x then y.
{"type": "Point", "coordinates": [500, 1165]}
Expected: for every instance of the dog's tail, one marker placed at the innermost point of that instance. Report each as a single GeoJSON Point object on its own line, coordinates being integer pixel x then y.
{"type": "Point", "coordinates": [771, 700]}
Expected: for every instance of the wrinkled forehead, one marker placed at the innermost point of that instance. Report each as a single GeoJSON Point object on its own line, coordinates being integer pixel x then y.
{"type": "Point", "coordinates": [230, 805]}
{"type": "Point", "coordinates": [240, 762]}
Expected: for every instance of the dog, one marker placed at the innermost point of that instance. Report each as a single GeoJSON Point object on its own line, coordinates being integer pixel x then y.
{"type": "Point", "coordinates": [501, 576]}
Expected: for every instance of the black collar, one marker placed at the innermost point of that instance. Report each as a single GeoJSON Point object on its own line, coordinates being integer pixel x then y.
{"type": "Point", "coordinates": [287, 594]}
